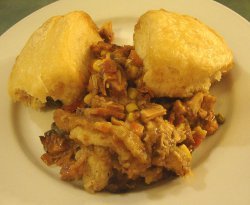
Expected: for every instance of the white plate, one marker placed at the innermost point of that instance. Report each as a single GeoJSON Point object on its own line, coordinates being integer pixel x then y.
{"type": "Point", "coordinates": [221, 167]}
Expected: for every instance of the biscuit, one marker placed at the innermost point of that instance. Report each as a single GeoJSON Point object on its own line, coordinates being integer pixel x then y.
{"type": "Point", "coordinates": [54, 62]}
{"type": "Point", "coordinates": [181, 55]}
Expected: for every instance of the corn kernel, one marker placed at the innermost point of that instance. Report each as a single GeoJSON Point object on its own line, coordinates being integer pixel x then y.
{"type": "Point", "coordinates": [130, 117]}
{"type": "Point", "coordinates": [132, 71]}
{"type": "Point", "coordinates": [97, 65]}
{"type": "Point", "coordinates": [103, 52]}
{"type": "Point", "coordinates": [87, 98]}
{"type": "Point", "coordinates": [132, 93]}
{"type": "Point", "coordinates": [185, 150]}
{"type": "Point", "coordinates": [108, 55]}
{"type": "Point", "coordinates": [131, 107]}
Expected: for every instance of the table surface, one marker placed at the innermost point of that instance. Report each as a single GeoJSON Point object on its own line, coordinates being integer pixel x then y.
{"type": "Point", "coordinates": [11, 11]}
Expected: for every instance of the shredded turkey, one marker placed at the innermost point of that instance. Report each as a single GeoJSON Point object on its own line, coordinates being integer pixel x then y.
{"type": "Point", "coordinates": [119, 136]}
